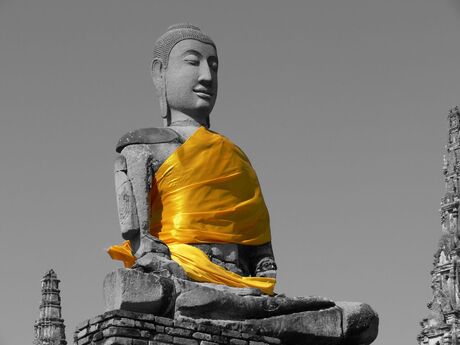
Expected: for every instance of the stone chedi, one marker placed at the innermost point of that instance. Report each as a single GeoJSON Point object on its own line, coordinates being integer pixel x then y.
{"type": "Point", "coordinates": [442, 326]}
{"type": "Point", "coordinates": [49, 328]}
{"type": "Point", "coordinates": [198, 246]}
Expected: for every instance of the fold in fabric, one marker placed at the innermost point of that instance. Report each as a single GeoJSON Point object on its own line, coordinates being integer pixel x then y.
{"type": "Point", "coordinates": [123, 253]}
{"type": "Point", "coordinates": [206, 192]}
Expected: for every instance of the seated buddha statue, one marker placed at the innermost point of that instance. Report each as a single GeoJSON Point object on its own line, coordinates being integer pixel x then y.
{"type": "Point", "coordinates": [191, 209]}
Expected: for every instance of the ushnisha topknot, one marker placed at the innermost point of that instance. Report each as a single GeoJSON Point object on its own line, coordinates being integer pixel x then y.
{"type": "Point", "coordinates": [175, 34]}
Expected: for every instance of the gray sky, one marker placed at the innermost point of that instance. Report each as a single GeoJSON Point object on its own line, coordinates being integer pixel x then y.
{"type": "Point", "coordinates": [341, 106]}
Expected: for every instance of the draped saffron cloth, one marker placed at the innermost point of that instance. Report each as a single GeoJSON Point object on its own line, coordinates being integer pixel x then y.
{"type": "Point", "coordinates": [206, 192]}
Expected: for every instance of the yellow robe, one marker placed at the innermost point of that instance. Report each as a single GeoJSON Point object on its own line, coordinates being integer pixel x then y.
{"type": "Point", "coordinates": [206, 192]}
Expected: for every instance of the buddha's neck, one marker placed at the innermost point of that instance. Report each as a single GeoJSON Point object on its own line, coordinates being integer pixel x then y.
{"type": "Point", "coordinates": [185, 125]}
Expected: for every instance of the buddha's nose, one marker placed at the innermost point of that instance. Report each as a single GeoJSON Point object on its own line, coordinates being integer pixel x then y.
{"type": "Point", "coordinates": [205, 74]}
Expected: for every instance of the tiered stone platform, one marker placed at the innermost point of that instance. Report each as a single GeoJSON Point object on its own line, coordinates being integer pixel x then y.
{"type": "Point", "coordinates": [119, 327]}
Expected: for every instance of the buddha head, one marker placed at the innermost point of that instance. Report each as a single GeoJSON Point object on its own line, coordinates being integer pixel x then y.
{"type": "Point", "coordinates": [184, 72]}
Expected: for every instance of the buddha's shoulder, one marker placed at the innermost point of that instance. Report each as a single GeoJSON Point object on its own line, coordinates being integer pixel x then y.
{"type": "Point", "coordinates": [147, 136]}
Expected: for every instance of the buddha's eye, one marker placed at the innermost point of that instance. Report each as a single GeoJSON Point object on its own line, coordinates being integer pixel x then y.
{"type": "Point", "coordinates": [192, 60]}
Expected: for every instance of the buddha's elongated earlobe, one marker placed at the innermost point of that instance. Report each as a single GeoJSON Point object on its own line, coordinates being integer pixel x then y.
{"type": "Point", "coordinates": [159, 81]}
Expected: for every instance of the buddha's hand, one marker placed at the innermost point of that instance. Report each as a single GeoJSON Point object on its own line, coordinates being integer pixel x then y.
{"type": "Point", "coordinates": [158, 264]}
{"type": "Point", "coordinates": [153, 256]}
{"type": "Point", "coordinates": [151, 244]}
{"type": "Point", "coordinates": [266, 267]}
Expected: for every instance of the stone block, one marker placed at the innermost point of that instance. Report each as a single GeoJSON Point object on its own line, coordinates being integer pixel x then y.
{"type": "Point", "coordinates": [201, 336]}
{"type": "Point", "coordinates": [360, 322]}
{"type": "Point", "coordinates": [82, 333]}
{"type": "Point", "coordinates": [184, 341]}
{"type": "Point", "coordinates": [310, 324]}
{"type": "Point", "coordinates": [93, 328]}
{"type": "Point", "coordinates": [163, 337]}
{"type": "Point", "coordinates": [132, 290]}
{"type": "Point", "coordinates": [204, 342]}
{"type": "Point", "coordinates": [209, 329]}
{"type": "Point", "coordinates": [230, 333]}
{"type": "Point", "coordinates": [117, 341]}
{"type": "Point", "coordinates": [164, 321]}
{"type": "Point", "coordinates": [178, 331]}
{"type": "Point", "coordinates": [219, 339]}
{"type": "Point", "coordinates": [121, 331]}
{"type": "Point", "coordinates": [140, 342]}
{"type": "Point", "coordinates": [185, 324]}
{"type": "Point", "coordinates": [219, 305]}
{"type": "Point", "coordinates": [306, 328]}
{"type": "Point", "coordinates": [98, 336]}
{"type": "Point", "coordinates": [127, 322]}
{"type": "Point", "coordinates": [238, 342]}
{"type": "Point", "coordinates": [271, 340]}
{"type": "Point", "coordinates": [145, 334]}
{"type": "Point", "coordinates": [83, 341]}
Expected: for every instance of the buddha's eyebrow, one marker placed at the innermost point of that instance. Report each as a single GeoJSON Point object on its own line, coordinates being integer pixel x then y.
{"type": "Point", "coordinates": [197, 53]}
{"type": "Point", "coordinates": [192, 51]}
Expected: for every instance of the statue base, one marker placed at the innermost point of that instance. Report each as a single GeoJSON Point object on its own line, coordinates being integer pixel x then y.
{"type": "Point", "coordinates": [244, 313]}
{"type": "Point", "coordinates": [120, 327]}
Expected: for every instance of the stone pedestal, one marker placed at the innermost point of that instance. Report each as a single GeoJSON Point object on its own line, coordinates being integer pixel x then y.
{"type": "Point", "coordinates": [136, 291]}
{"type": "Point", "coordinates": [294, 321]}
{"type": "Point", "coordinates": [121, 327]}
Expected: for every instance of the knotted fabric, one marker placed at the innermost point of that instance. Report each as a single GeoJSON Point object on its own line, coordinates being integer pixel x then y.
{"type": "Point", "coordinates": [206, 192]}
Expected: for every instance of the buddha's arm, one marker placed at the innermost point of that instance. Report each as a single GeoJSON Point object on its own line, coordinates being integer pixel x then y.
{"type": "Point", "coordinates": [127, 212]}
{"type": "Point", "coordinates": [133, 180]}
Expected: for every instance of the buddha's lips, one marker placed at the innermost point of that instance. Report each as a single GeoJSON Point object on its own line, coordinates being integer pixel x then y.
{"type": "Point", "coordinates": [203, 93]}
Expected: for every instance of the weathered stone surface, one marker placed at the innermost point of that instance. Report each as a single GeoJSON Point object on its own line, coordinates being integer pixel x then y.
{"type": "Point", "coordinates": [213, 304]}
{"type": "Point", "coordinates": [136, 291]}
{"type": "Point", "coordinates": [163, 337]}
{"type": "Point", "coordinates": [184, 341]}
{"type": "Point", "coordinates": [305, 328]}
{"type": "Point", "coordinates": [201, 336]}
{"type": "Point", "coordinates": [187, 285]}
{"type": "Point", "coordinates": [156, 262]}
{"type": "Point", "coordinates": [140, 342]}
{"type": "Point", "coordinates": [360, 322]}
{"type": "Point", "coordinates": [143, 329]}
{"type": "Point", "coordinates": [238, 342]}
{"type": "Point", "coordinates": [286, 318]}
{"type": "Point", "coordinates": [164, 321]}
{"type": "Point", "coordinates": [178, 331]}
{"type": "Point", "coordinates": [350, 324]}
{"type": "Point", "coordinates": [224, 252]}
{"type": "Point", "coordinates": [117, 341]}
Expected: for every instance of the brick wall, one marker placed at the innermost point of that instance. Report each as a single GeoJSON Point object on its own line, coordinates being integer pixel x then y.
{"type": "Point", "coordinates": [121, 327]}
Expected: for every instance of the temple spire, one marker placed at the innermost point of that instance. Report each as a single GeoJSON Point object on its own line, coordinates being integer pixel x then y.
{"type": "Point", "coordinates": [49, 328]}
{"type": "Point", "coordinates": [442, 324]}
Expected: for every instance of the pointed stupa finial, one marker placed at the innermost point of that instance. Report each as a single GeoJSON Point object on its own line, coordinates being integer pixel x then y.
{"type": "Point", "coordinates": [49, 328]}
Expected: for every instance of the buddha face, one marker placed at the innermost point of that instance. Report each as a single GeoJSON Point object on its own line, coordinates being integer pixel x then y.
{"type": "Point", "coordinates": [191, 79]}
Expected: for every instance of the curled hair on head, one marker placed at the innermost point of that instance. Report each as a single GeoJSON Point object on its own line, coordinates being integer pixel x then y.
{"type": "Point", "coordinates": [175, 34]}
